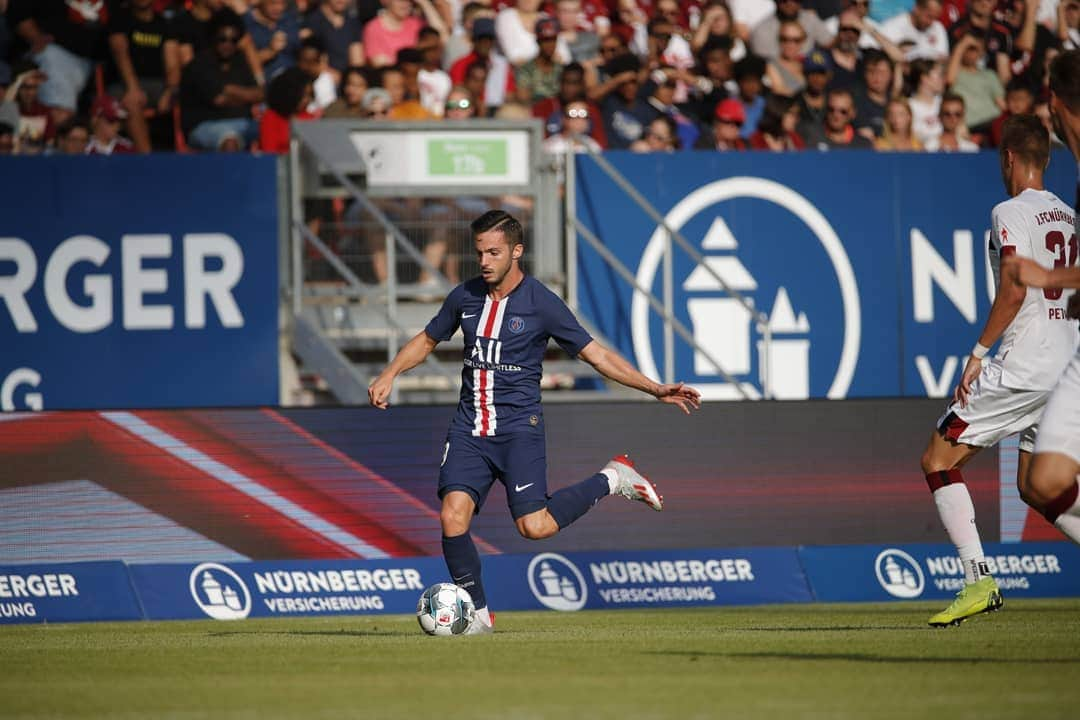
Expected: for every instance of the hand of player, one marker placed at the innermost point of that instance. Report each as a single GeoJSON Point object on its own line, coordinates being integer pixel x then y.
{"type": "Point", "coordinates": [686, 397]}
{"type": "Point", "coordinates": [971, 371]}
{"type": "Point", "coordinates": [379, 391]}
{"type": "Point", "coordinates": [1025, 271]}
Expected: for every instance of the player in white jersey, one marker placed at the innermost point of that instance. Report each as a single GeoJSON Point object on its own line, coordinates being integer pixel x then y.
{"type": "Point", "coordinates": [1004, 394]}
{"type": "Point", "coordinates": [1052, 480]}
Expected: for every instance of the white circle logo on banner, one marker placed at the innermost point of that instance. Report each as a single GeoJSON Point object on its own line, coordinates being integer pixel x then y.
{"type": "Point", "coordinates": [219, 592]}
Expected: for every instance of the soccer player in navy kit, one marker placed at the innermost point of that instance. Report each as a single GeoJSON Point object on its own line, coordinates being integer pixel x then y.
{"type": "Point", "coordinates": [497, 433]}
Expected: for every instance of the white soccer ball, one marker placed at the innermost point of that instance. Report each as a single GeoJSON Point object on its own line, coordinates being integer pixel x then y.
{"type": "Point", "coordinates": [445, 609]}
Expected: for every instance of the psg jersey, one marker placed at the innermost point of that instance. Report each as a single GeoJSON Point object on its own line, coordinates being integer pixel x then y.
{"type": "Point", "coordinates": [505, 342]}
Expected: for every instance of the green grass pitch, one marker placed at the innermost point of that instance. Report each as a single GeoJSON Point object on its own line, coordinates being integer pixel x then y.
{"type": "Point", "coordinates": [809, 661]}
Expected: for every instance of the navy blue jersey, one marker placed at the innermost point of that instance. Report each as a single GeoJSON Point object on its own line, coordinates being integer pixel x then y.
{"type": "Point", "coordinates": [505, 341]}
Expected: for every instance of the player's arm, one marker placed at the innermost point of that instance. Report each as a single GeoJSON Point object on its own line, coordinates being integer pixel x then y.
{"type": "Point", "coordinates": [412, 354]}
{"type": "Point", "coordinates": [1029, 273]}
{"type": "Point", "coordinates": [1007, 302]}
{"type": "Point", "coordinates": [613, 366]}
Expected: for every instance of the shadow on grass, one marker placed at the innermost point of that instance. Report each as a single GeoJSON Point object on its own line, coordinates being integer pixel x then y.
{"type": "Point", "coordinates": [862, 657]}
{"type": "Point", "coordinates": [374, 632]}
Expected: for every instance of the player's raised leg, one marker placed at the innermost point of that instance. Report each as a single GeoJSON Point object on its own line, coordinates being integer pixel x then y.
{"type": "Point", "coordinates": [941, 464]}
{"type": "Point", "coordinates": [1052, 482]}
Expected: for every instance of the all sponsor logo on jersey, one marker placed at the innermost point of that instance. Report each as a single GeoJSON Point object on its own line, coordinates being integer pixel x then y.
{"type": "Point", "coordinates": [557, 583]}
{"type": "Point", "coordinates": [899, 574]}
{"type": "Point", "coordinates": [789, 299]}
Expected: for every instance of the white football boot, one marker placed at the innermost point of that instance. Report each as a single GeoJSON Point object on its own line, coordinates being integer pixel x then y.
{"type": "Point", "coordinates": [479, 627]}
{"type": "Point", "coordinates": [632, 485]}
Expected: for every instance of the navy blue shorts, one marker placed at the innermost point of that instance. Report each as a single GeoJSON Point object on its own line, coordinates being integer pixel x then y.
{"type": "Point", "coordinates": [518, 460]}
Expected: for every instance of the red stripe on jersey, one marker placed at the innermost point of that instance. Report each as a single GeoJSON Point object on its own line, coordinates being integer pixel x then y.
{"type": "Point", "coordinates": [485, 412]}
{"type": "Point", "coordinates": [490, 325]}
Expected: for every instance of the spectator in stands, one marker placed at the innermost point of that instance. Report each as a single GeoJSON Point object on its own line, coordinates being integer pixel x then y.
{"type": "Point", "coordinates": [73, 137]}
{"type": "Point", "coordinates": [575, 133]}
{"type": "Point", "coordinates": [476, 80]}
{"type": "Point", "coordinates": [784, 72]}
{"type": "Point", "coordinates": [313, 60]}
{"type": "Point", "coordinates": [106, 114]}
{"type": "Point", "coordinates": [861, 10]}
{"type": "Point", "coordinates": [811, 101]}
{"type": "Point", "coordinates": [7, 139]}
{"type": "Point", "coordinates": [338, 30]}
{"type": "Point", "coordinates": [630, 25]}
{"type": "Point", "coordinates": [193, 34]}
{"type": "Point", "coordinates": [928, 80]}
{"type": "Point", "coordinates": [663, 84]}
{"type": "Point", "coordinates": [515, 30]}
{"type": "Point", "coordinates": [354, 84]}
{"type": "Point", "coordinates": [571, 88]}
{"type": "Point", "coordinates": [275, 31]}
{"type": "Point", "coordinates": [873, 94]}
{"type": "Point", "coordinates": [625, 113]}
{"type": "Point", "coordinates": [661, 135]}
{"type": "Point", "coordinates": [538, 78]}
{"type": "Point", "coordinates": [287, 96]}
{"type": "Point", "coordinates": [146, 55]}
{"type": "Point", "coordinates": [838, 132]}
{"type": "Point", "coordinates": [581, 45]}
{"type": "Point", "coordinates": [33, 123]}
{"type": "Point", "coordinates": [764, 38]}
{"type": "Point", "coordinates": [396, 27]}
{"type": "Point", "coordinates": [460, 43]}
{"type": "Point", "coordinates": [715, 80]}
{"type": "Point", "coordinates": [776, 129]}
{"type": "Point", "coordinates": [667, 47]}
{"type": "Point", "coordinates": [408, 106]}
{"type": "Point", "coordinates": [980, 87]}
{"type": "Point", "coordinates": [846, 55]}
{"type": "Point", "coordinates": [748, 76]}
{"type": "Point", "coordinates": [65, 39]}
{"type": "Point", "coordinates": [433, 81]}
{"type": "Point", "coordinates": [377, 103]}
{"type": "Point", "coordinates": [499, 76]}
{"type": "Point", "coordinates": [954, 134]}
{"type": "Point", "coordinates": [1019, 100]}
{"type": "Point", "coordinates": [5, 48]}
{"type": "Point", "coordinates": [726, 128]}
{"type": "Point", "coordinates": [997, 38]}
{"type": "Point", "coordinates": [1031, 39]}
{"type": "Point", "coordinates": [217, 92]}
{"type": "Point", "coordinates": [717, 27]}
{"type": "Point", "coordinates": [1068, 24]}
{"type": "Point", "coordinates": [460, 104]}
{"type": "Point", "coordinates": [898, 134]}
{"type": "Point", "coordinates": [920, 31]}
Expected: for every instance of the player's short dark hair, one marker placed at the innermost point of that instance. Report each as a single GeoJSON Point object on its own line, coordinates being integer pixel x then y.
{"type": "Point", "coordinates": [502, 221]}
{"type": "Point", "coordinates": [1065, 78]}
{"type": "Point", "coordinates": [1027, 138]}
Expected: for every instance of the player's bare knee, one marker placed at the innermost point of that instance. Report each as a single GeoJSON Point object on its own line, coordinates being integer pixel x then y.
{"type": "Point", "coordinates": [536, 526]}
{"type": "Point", "coordinates": [455, 520]}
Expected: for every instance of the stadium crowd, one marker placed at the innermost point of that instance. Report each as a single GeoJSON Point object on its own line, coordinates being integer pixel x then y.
{"type": "Point", "coordinates": [113, 76]}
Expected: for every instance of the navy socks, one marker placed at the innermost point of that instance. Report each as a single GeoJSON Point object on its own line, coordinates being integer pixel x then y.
{"type": "Point", "coordinates": [463, 562]}
{"type": "Point", "coordinates": [570, 503]}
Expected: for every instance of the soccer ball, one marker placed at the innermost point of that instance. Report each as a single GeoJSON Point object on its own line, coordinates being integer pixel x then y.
{"type": "Point", "coordinates": [445, 609]}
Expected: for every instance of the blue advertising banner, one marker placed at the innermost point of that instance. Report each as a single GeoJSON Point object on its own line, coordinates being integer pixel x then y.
{"type": "Point", "coordinates": [66, 592]}
{"type": "Point", "coordinates": [233, 591]}
{"type": "Point", "coordinates": [134, 282]}
{"type": "Point", "coordinates": [667, 578]}
{"type": "Point", "coordinates": [927, 572]}
{"type": "Point", "coordinates": [870, 268]}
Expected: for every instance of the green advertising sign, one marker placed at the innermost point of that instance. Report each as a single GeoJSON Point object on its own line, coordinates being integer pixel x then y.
{"type": "Point", "coordinates": [467, 157]}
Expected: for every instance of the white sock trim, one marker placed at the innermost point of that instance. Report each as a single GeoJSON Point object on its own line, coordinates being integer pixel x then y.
{"type": "Point", "coordinates": [612, 479]}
